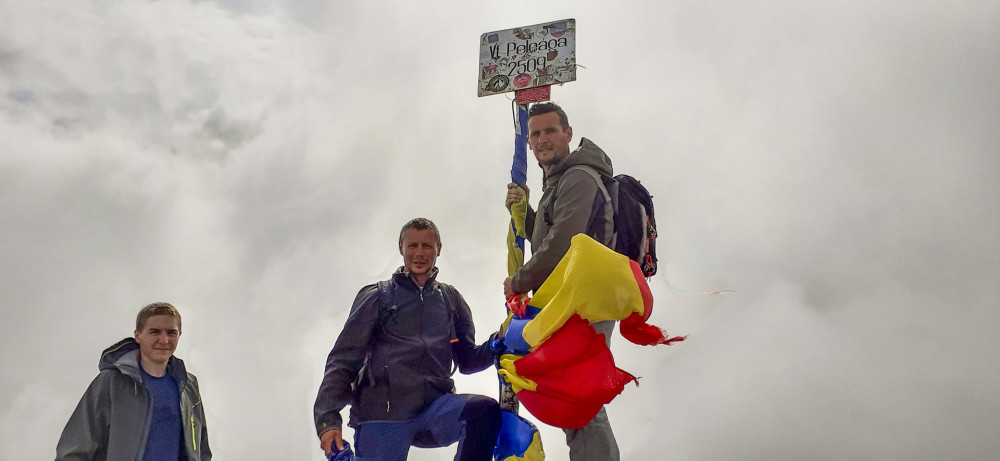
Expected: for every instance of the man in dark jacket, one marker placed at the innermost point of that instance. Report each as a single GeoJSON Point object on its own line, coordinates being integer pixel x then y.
{"type": "Point", "coordinates": [574, 201]}
{"type": "Point", "coordinates": [393, 363]}
{"type": "Point", "coordinates": [143, 405]}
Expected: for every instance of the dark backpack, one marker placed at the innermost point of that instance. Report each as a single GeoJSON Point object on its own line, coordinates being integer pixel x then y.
{"type": "Point", "coordinates": [634, 222]}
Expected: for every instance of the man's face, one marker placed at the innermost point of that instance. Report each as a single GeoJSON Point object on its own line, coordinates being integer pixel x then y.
{"type": "Point", "coordinates": [420, 250]}
{"type": "Point", "coordinates": [158, 338]}
{"type": "Point", "coordinates": [548, 140]}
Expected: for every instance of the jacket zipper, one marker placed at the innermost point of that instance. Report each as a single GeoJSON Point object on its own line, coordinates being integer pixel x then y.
{"type": "Point", "coordinates": [194, 440]}
{"type": "Point", "coordinates": [194, 437]}
{"type": "Point", "coordinates": [388, 389]}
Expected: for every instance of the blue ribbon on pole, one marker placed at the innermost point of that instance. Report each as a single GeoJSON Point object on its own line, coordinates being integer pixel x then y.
{"type": "Point", "coordinates": [519, 169]}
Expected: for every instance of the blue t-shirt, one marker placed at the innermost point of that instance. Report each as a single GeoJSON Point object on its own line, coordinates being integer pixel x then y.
{"type": "Point", "coordinates": [164, 440]}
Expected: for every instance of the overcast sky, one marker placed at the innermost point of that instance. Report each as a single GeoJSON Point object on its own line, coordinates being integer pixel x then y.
{"type": "Point", "coordinates": [837, 165]}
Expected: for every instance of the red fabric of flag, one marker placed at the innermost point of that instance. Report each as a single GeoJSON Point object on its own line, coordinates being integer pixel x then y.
{"type": "Point", "coordinates": [575, 373]}
{"type": "Point", "coordinates": [634, 327]}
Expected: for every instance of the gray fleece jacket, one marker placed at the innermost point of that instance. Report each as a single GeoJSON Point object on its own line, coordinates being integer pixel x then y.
{"type": "Point", "coordinates": [112, 420]}
{"type": "Point", "coordinates": [572, 203]}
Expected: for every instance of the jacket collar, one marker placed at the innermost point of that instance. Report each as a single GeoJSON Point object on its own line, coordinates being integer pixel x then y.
{"type": "Point", "coordinates": [124, 357]}
{"type": "Point", "coordinates": [587, 153]}
{"type": "Point", "coordinates": [402, 278]}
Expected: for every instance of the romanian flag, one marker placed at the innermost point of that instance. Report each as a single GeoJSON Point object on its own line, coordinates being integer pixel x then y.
{"type": "Point", "coordinates": [518, 440]}
{"type": "Point", "coordinates": [560, 367]}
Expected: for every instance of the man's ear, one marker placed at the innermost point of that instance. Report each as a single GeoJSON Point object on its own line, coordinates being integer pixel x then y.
{"type": "Point", "coordinates": [569, 132]}
{"type": "Point", "coordinates": [439, 249]}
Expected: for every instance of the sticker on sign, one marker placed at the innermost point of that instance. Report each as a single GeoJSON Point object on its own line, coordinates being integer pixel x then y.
{"type": "Point", "coordinates": [527, 57]}
{"type": "Point", "coordinates": [536, 94]}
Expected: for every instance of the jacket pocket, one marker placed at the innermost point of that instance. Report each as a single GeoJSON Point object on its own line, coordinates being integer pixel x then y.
{"type": "Point", "coordinates": [370, 400]}
{"type": "Point", "coordinates": [193, 422]}
{"type": "Point", "coordinates": [388, 391]}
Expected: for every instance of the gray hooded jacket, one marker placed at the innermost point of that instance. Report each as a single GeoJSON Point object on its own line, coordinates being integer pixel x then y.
{"type": "Point", "coordinates": [112, 420]}
{"type": "Point", "coordinates": [572, 203]}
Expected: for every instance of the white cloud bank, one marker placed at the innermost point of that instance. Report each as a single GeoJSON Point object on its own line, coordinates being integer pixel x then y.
{"type": "Point", "coordinates": [251, 162]}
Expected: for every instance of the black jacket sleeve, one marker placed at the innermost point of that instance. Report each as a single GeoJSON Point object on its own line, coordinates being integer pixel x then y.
{"type": "Point", "coordinates": [469, 357]}
{"type": "Point", "coordinates": [345, 360]}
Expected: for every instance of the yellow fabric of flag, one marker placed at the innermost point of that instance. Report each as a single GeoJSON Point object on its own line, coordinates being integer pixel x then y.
{"type": "Point", "coordinates": [591, 280]}
{"type": "Point", "coordinates": [516, 234]}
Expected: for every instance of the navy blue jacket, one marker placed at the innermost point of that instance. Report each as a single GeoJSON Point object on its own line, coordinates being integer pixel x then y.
{"type": "Point", "coordinates": [411, 355]}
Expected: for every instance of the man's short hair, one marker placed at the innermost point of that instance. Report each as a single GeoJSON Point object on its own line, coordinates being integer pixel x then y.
{"type": "Point", "coordinates": [153, 310]}
{"type": "Point", "coordinates": [419, 224]}
{"type": "Point", "coordinates": [546, 107]}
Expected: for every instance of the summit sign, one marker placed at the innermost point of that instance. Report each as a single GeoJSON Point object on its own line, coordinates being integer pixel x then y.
{"type": "Point", "coordinates": [527, 57]}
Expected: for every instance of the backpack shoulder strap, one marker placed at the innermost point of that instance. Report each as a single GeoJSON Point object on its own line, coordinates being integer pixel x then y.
{"type": "Point", "coordinates": [447, 291]}
{"type": "Point", "coordinates": [384, 294]}
{"type": "Point", "coordinates": [608, 186]}
{"type": "Point", "coordinates": [386, 303]}
{"type": "Point", "coordinates": [609, 190]}
{"type": "Point", "coordinates": [593, 174]}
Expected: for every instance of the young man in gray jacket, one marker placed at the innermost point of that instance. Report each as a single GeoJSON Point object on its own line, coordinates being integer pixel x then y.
{"type": "Point", "coordinates": [393, 364]}
{"type": "Point", "coordinates": [143, 405]}
{"type": "Point", "coordinates": [573, 202]}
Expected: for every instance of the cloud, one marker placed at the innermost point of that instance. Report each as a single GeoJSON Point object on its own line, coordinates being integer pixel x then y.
{"type": "Point", "coordinates": [252, 162]}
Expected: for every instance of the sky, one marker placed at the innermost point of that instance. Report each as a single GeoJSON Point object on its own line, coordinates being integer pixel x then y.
{"type": "Point", "coordinates": [835, 165]}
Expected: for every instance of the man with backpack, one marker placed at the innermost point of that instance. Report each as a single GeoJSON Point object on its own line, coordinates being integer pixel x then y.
{"type": "Point", "coordinates": [393, 364]}
{"type": "Point", "coordinates": [574, 201]}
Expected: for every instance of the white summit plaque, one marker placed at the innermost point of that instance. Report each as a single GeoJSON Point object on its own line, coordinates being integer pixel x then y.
{"type": "Point", "coordinates": [527, 57]}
